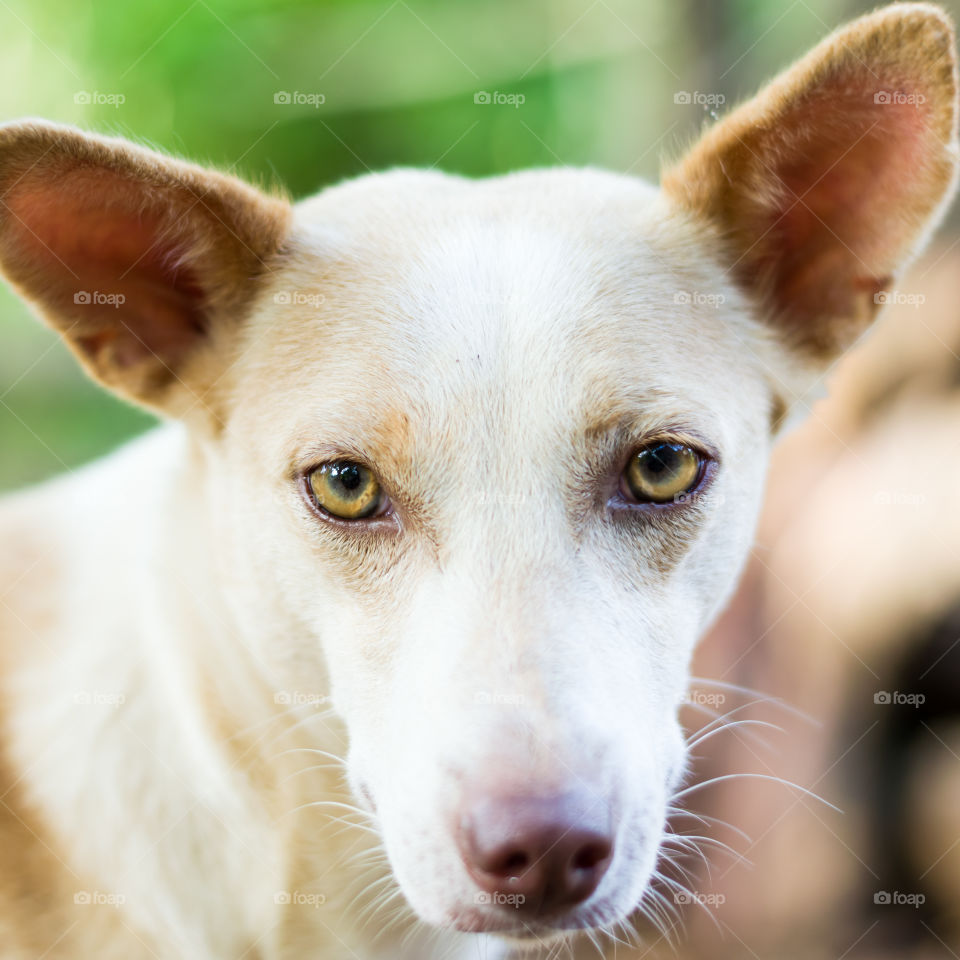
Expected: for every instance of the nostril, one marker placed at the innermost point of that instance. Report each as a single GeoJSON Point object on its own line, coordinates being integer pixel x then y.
{"type": "Point", "coordinates": [511, 864]}
{"type": "Point", "coordinates": [592, 855]}
{"type": "Point", "coordinates": [550, 851]}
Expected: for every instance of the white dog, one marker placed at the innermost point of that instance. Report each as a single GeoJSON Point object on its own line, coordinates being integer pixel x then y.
{"type": "Point", "coordinates": [455, 475]}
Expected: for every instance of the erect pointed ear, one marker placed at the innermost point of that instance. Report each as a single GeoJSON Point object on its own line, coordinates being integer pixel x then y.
{"type": "Point", "coordinates": [833, 176]}
{"type": "Point", "coordinates": [145, 264]}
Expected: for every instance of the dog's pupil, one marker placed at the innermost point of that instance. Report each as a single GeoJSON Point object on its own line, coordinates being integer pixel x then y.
{"type": "Point", "coordinates": [659, 461]}
{"type": "Point", "coordinates": [349, 477]}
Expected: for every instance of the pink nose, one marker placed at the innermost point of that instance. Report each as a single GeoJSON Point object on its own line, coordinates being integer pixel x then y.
{"type": "Point", "coordinates": [541, 854]}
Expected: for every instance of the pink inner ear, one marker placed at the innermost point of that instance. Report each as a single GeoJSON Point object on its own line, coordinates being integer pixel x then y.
{"type": "Point", "coordinates": [848, 168]}
{"type": "Point", "coordinates": [109, 261]}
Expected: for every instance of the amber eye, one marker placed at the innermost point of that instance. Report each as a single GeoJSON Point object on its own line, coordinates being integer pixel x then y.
{"type": "Point", "coordinates": [662, 472]}
{"type": "Point", "coordinates": [346, 490]}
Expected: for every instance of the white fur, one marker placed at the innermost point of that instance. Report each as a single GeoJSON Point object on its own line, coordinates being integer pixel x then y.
{"type": "Point", "coordinates": [257, 729]}
{"type": "Point", "coordinates": [510, 641]}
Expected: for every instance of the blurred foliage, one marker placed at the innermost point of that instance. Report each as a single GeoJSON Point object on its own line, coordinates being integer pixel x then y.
{"type": "Point", "coordinates": [399, 78]}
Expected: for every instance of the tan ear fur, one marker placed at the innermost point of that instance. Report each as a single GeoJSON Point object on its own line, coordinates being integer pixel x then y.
{"type": "Point", "coordinates": [139, 260]}
{"type": "Point", "coordinates": [831, 178]}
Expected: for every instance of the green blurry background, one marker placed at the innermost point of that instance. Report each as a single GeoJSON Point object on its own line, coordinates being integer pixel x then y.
{"type": "Point", "coordinates": [398, 78]}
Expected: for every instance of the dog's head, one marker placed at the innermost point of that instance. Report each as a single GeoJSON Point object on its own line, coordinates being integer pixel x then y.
{"type": "Point", "coordinates": [494, 450]}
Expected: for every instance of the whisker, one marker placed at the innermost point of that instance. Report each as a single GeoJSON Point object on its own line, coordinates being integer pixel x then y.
{"type": "Point", "coordinates": [755, 776]}
{"type": "Point", "coordinates": [701, 736]}
{"type": "Point", "coordinates": [706, 820]}
{"type": "Point", "coordinates": [758, 695]}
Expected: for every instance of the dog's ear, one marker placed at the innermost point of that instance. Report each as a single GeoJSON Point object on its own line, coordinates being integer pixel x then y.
{"type": "Point", "coordinates": [833, 176]}
{"type": "Point", "coordinates": [145, 264]}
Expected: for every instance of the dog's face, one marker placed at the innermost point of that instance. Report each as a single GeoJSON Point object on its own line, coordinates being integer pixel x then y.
{"type": "Point", "coordinates": [560, 459]}
{"type": "Point", "coordinates": [494, 450]}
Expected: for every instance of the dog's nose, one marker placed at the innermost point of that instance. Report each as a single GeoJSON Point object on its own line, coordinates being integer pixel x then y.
{"type": "Point", "coordinates": [539, 855]}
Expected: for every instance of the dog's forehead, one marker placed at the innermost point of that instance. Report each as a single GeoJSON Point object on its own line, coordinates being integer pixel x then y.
{"type": "Point", "coordinates": [476, 242]}
{"type": "Point", "coordinates": [543, 302]}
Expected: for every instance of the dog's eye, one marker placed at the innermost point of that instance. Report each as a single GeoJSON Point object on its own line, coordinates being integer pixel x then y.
{"type": "Point", "coordinates": [346, 490]}
{"type": "Point", "coordinates": [662, 472]}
